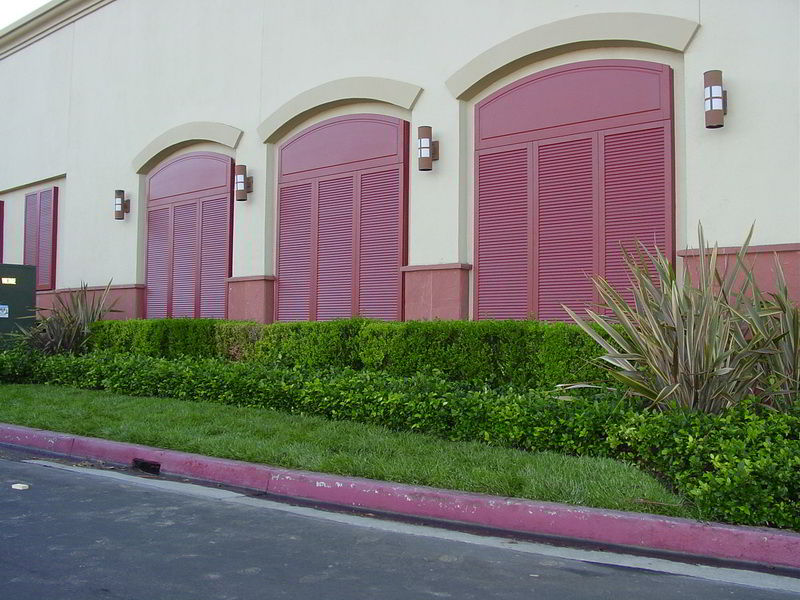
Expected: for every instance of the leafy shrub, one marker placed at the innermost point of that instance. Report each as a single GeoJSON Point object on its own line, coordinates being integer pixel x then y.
{"type": "Point", "coordinates": [524, 354]}
{"type": "Point", "coordinates": [237, 340]}
{"type": "Point", "coordinates": [167, 338]}
{"type": "Point", "coordinates": [66, 326]}
{"type": "Point", "coordinates": [19, 365]}
{"type": "Point", "coordinates": [320, 344]}
{"type": "Point", "coordinates": [742, 466]}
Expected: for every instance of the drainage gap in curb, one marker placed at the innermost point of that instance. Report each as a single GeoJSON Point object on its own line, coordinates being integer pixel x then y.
{"type": "Point", "coordinates": [147, 466]}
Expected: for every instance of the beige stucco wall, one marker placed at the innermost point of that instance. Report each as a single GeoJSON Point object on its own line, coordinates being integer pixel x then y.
{"type": "Point", "coordinates": [745, 172]}
{"type": "Point", "coordinates": [90, 97]}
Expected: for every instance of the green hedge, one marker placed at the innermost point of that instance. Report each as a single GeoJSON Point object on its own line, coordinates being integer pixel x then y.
{"type": "Point", "coordinates": [524, 354]}
{"type": "Point", "coordinates": [741, 467]}
{"type": "Point", "coordinates": [164, 338]}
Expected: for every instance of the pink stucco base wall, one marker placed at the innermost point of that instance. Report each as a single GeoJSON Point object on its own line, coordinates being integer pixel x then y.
{"type": "Point", "coordinates": [436, 292]}
{"type": "Point", "coordinates": [128, 300]}
{"type": "Point", "coordinates": [251, 298]}
{"type": "Point", "coordinates": [762, 260]}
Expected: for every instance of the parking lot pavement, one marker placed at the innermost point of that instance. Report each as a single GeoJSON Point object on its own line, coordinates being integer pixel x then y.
{"type": "Point", "coordinates": [83, 534]}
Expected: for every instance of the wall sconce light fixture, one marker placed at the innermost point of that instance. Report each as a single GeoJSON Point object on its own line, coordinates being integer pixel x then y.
{"type": "Point", "coordinates": [243, 184]}
{"type": "Point", "coordinates": [427, 148]}
{"type": "Point", "coordinates": [716, 99]}
{"type": "Point", "coordinates": [121, 205]}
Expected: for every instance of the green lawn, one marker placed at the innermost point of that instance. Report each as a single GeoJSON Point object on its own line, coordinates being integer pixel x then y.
{"type": "Point", "coordinates": [345, 448]}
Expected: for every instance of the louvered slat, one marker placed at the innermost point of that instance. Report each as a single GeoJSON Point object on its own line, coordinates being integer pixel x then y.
{"type": "Point", "coordinates": [294, 253]}
{"type": "Point", "coordinates": [214, 256]}
{"type": "Point", "coordinates": [158, 239]}
{"type": "Point", "coordinates": [636, 194]}
{"type": "Point", "coordinates": [46, 259]}
{"type": "Point", "coordinates": [184, 260]}
{"type": "Point", "coordinates": [31, 228]}
{"type": "Point", "coordinates": [502, 258]}
{"type": "Point", "coordinates": [379, 283]}
{"type": "Point", "coordinates": [335, 249]}
{"type": "Point", "coordinates": [565, 189]}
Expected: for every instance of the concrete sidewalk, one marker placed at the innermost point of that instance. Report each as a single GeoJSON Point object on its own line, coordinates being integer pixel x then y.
{"type": "Point", "coordinates": [758, 546]}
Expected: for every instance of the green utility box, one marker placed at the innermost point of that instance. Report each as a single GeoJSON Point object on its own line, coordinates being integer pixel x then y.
{"type": "Point", "coordinates": [17, 298]}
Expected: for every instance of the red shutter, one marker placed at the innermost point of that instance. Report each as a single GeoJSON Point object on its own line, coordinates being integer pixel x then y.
{"type": "Point", "coordinates": [335, 249]}
{"type": "Point", "coordinates": [637, 190]}
{"type": "Point", "coordinates": [502, 228]}
{"type": "Point", "coordinates": [2, 228]}
{"type": "Point", "coordinates": [600, 175]}
{"type": "Point", "coordinates": [189, 203]}
{"type": "Point", "coordinates": [46, 254]}
{"type": "Point", "coordinates": [294, 259]}
{"type": "Point", "coordinates": [342, 211]}
{"type": "Point", "coordinates": [31, 228]}
{"type": "Point", "coordinates": [158, 259]}
{"type": "Point", "coordinates": [564, 227]}
{"type": "Point", "coordinates": [214, 257]}
{"type": "Point", "coordinates": [184, 260]}
{"type": "Point", "coordinates": [379, 278]}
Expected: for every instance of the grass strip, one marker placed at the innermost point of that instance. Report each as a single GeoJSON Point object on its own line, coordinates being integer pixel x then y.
{"type": "Point", "coordinates": [340, 447]}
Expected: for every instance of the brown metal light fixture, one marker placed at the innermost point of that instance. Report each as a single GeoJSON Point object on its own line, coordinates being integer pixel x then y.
{"type": "Point", "coordinates": [243, 184]}
{"type": "Point", "coordinates": [121, 205]}
{"type": "Point", "coordinates": [427, 148]}
{"type": "Point", "coordinates": [716, 99]}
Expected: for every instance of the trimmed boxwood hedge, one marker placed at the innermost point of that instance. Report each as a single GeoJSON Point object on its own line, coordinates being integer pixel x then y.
{"type": "Point", "coordinates": [163, 338]}
{"type": "Point", "coordinates": [525, 354]}
{"type": "Point", "coordinates": [742, 466]}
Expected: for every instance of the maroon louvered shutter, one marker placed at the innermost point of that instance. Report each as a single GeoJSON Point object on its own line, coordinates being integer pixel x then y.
{"type": "Point", "coordinates": [600, 175]}
{"type": "Point", "coordinates": [636, 182]}
{"type": "Point", "coordinates": [46, 260]}
{"type": "Point", "coordinates": [294, 258]}
{"type": "Point", "coordinates": [2, 228]}
{"type": "Point", "coordinates": [380, 251]}
{"type": "Point", "coordinates": [335, 249]}
{"type": "Point", "coordinates": [184, 260]}
{"type": "Point", "coordinates": [31, 228]}
{"type": "Point", "coordinates": [189, 236]}
{"type": "Point", "coordinates": [564, 226]}
{"type": "Point", "coordinates": [342, 213]}
{"type": "Point", "coordinates": [41, 227]}
{"type": "Point", "coordinates": [214, 256]}
{"type": "Point", "coordinates": [158, 259]}
{"type": "Point", "coordinates": [502, 241]}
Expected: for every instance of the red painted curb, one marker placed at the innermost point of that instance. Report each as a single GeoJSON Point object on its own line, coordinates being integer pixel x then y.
{"type": "Point", "coordinates": [751, 544]}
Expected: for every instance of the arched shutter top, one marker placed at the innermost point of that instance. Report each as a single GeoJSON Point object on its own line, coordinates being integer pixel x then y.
{"type": "Point", "coordinates": [189, 174]}
{"type": "Point", "coordinates": [343, 144]}
{"type": "Point", "coordinates": [575, 98]}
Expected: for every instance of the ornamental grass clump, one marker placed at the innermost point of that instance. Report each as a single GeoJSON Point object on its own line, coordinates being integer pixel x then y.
{"type": "Point", "coordinates": [705, 345]}
{"type": "Point", "coordinates": [65, 326]}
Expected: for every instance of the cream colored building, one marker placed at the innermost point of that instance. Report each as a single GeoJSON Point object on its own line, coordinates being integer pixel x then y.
{"type": "Point", "coordinates": [96, 94]}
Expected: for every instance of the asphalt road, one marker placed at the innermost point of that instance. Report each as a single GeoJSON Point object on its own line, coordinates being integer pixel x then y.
{"type": "Point", "coordinates": [82, 535]}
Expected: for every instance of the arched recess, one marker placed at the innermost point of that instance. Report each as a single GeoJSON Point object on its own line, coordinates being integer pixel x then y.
{"type": "Point", "coordinates": [189, 232]}
{"type": "Point", "coordinates": [182, 136]}
{"type": "Point", "coordinates": [332, 93]}
{"type": "Point", "coordinates": [342, 210]}
{"type": "Point", "coordinates": [654, 30]}
{"type": "Point", "coordinates": [570, 163]}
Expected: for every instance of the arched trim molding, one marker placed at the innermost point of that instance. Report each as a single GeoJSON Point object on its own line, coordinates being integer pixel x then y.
{"type": "Point", "coordinates": [339, 91]}
{"type": "Point", "coordinates": [184, 135]}
{"type": "Point", "coordinates": [654, 30]}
